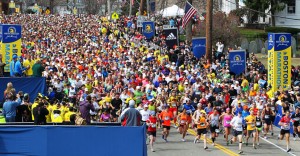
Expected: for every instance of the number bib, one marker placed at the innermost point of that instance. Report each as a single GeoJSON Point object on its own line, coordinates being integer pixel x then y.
{"type": "Point", "coordinates": [167, 118]}
{"type": "Point", "coordinates": [153, 125]}
{"type": "Point", "coordinates": [182, 121]}
{"type": "Point", "coordinates": [267, 116]}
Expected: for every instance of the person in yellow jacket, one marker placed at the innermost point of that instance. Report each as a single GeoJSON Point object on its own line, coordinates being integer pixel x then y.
{"type": "Point", "coordinates": [56, 117]}
{"type": "Point", "coordinates": [28, 63]}
{"type": "Point", "coordinates": [35, 104]}
{"type": "Point", "coordinates": [69, 114]}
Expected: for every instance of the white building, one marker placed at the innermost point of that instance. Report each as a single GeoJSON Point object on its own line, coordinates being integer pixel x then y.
{"type": "Point", "coordinates": [292, 10]}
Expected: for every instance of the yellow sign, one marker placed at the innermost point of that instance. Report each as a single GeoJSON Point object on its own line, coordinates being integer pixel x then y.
{"type": "Point", "coordinates": [12, 5]}
{"type": "Point", "coordinates": [114, 16]}
{"type": "Point", "coordinates": [75, 11]}
{"type": "Point", "coordinates": [279, 61]}
{"type": "Point", "coordinates": [47, 12]}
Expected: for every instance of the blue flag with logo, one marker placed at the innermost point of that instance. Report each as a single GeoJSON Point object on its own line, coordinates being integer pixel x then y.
{"type": "Point", "coordinates": [148, 29]}
{"type": "Point", "coordinates": [237, 61]}
{"type": "Point", "coordinates": [199, 46]}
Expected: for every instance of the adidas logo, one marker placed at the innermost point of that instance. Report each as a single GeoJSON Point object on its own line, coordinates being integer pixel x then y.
{"type": "Point", "coordinates": [171, 37]}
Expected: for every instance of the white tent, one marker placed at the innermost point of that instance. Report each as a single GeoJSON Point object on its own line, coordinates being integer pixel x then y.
{"type": "Point", "coordinates": [172, 11]}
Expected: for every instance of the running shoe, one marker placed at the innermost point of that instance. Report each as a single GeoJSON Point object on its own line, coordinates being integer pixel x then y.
{"type": "Point", "coordinates": [195, 140]}
{"type": "Point", "coordinates": [240, 152]}
{"type": "Point", "coordinates": [254, 147]}
{"type": "Point", "coordinates": [152, 150]}
{"type": "Point", "coordinates": [206, 148]}
{"type": "Point", "coordinates": [289, 150]}
{"type": "Point", "coordinates": [182, 140]}
{"type": "Point", "coordinates": [166, 140]}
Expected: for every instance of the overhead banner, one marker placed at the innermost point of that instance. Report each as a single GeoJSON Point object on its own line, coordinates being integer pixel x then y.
{"type": "Point", "coordinates": [11, 43]}
{"type": "Point", "coordinates": [199, 46]}
{"type": "Point", "coordinates": [280, 60]}
{"type": "Point", "coordinates": [237, 61]}
{"type": "Point", "coordinates": [148, 29]}
{"type": "Point", "coordinates": [171, 36]}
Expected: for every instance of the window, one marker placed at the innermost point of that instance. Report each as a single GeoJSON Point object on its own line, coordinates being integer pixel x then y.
{"type": "Point", "coordinates": [291, 7]}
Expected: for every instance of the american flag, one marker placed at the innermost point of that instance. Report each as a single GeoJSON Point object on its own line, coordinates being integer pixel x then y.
{"type": "Point", "coordinates": [189, 12]}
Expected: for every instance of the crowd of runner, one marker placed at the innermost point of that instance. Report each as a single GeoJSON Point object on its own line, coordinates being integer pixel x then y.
{"type": "Point", "coordinates": [99, 67]}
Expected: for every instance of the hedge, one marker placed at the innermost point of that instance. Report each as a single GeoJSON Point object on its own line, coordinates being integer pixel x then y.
{"type": "Point", "coordinates": [293, 31]}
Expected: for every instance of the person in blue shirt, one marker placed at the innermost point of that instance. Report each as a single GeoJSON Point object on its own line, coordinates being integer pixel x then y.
{"type": "Point", "coordinates": [16, 69]}
{"type": "Point", "coordinates": [188, 107]}
{"type": "Point", "coordinates": [10, 107]}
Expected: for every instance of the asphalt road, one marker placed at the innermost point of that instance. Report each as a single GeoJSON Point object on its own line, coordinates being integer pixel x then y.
{"type": "Point", "coordinates": [175, 147]}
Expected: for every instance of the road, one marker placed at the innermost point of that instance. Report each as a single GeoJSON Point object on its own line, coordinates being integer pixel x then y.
{"type": "Point", "coordinates": [175, 147]}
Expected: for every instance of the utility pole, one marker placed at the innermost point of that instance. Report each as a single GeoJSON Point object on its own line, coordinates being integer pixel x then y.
{"type": "Point", "coordinates": [148, 8]}
{"type": "Point", "coordinates": [141, 8]}
{"type": "Point", "coordinates": [108, 9]}
{"type": "Point", "coordinates": [209, 14]}
{"type": "Point", "coordinates": [130, 8]}
{"type": "Point", "coordinates": [189, 27]}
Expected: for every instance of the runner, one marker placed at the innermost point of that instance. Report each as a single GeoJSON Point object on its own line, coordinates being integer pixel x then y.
{"type": "Point", "coordinates": [226, 117]}
{"type": "Point", "coordinates": [173, 102]}
{"type": "Point", "coordinates": [183, 123]}
{"type": "Point", "coordinates": [151, 123]}
{"type": "Point", "coordinates": [296, 118]}
{"type": "Point", "coordinates": [201, 128]}
{"type": "Point", "coordinates": [214, 125]}
{"type": "Point", "coordinates": [258, 126]}
{"type": "Point", "coordinates": [267, 114]}
{"type": "Point", "coordinates": [166, 116]}
{"type": "Point", "coordinates": [251, 127]}
{"type": "Point", "coordinates": [237, 125]}
{"type": "Point", "coordinates": [285, 129]}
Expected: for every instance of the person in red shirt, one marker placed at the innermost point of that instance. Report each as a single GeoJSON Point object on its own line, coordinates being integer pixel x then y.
{"type": "Point", "coordinates": [166, 116]}
{"type": "Point", "coordinates": [285, 129]}
{"type": "Point", "coordinates": [151, 123]}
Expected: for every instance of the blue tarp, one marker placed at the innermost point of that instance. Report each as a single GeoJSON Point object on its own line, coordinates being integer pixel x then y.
{"type": "Point", "coordinates": [32, 86]}
{"type": "Point", "coordinates": [72, 141]}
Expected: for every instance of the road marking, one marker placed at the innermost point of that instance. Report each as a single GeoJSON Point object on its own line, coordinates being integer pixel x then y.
{"type": "Point", "coordinates": [277, 146]}
{"type": "Point", "coordinates": [218, 146]}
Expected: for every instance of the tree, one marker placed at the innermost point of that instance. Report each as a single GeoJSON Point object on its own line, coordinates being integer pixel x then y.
{"type": "Point", "coordinates": [276, 6]}
{"type": "Point", "coordinates": [259, 6]}
{"type": "Point", "coordinates": [93, 6]}
{"type": "Point", "coordinates": [224, 28]}
{"type": "Point", "coordinates": [273, 6]}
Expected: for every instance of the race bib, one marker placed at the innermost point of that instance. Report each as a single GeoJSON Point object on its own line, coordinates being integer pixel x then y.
{"type": "Point", "coordinates": [272, 108]}
{"type": "Point", "coordinates": [153, 125]}
{"type": "Point", "coordinates": [167, 118]}
{"type": "Point", "coordinates": [182, 121]}
{"type": "Point", "coordinates": [253, 125]}
{"type": "Point", "coordinates": [202, 124]}
{"type": "Point", "coordinates": [296, 119]}
{"type": "Point", "coordinates": [240, 124]}
{"type": "Point", "coordinates": [267, 116]}
{"type": "Point", "coordinates": [227, 122]}
{"type": "Point", "coordinates": [197, 93]}
{"type": "Point", "coordinates": [174, 104]}
{"type": "Point", "coordinates": [258, 123]}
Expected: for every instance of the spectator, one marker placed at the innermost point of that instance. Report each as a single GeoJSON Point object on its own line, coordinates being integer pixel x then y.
{"type": "Point", "coordinates": [40, 112]}
{"type": "Point", "coordinates": [131, 116]}
{"type": "Point", "coordinates": [10, 106]}
{"type": "Point", "coordinates": [37, 69]}
{"type": "Point", "coordinates": [2, 64]}
{"type": "Point", "coordinates": [16, 69]}
{"type": "Point", "coordinates": [85, 107]}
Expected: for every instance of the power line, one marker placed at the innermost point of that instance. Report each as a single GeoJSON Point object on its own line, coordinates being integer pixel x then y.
{"type": "Point", "coordinates": [296, 19]}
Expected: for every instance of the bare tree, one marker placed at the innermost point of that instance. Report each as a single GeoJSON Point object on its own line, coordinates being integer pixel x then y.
{"type": "Point", "coordinates": [93, 6]}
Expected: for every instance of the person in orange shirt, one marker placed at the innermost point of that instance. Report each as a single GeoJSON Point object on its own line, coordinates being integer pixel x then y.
{"type": "Point", "coordinates": [183, 120]}
{"type": "Point", "coordinates": [166, 116]}
{"type": "Point", "coordinates": [201, 128]}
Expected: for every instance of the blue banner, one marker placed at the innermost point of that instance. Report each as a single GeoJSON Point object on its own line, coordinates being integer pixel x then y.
{"type": "Point", "coordinates": [11, 33]}
{"type": "Point", "coordinates": [278, 118]}
{"type": "Point", "coordinates": [1, 34]}
{"type": "Point", "coordinates": [237, 61]}
{"type": "Point", "coordinates": [32, 86]}
{"type": "Point", "coordinates": [72, 141]}
{"type": "Point", "coordinates": [148, 29]}
{"type": "Point", "coordinates": [199, 46]}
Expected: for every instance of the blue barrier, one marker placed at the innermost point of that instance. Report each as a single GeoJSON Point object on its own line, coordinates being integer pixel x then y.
{"type": "Point", "coordinates": [73, 141]}
{"type": "Point", "coordinates": [32, 86]}
{"type": "Point", "coordinates": [279, 116]}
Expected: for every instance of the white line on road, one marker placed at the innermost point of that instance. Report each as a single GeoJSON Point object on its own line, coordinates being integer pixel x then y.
{"type": "Point", "coordinates": [276, 146]}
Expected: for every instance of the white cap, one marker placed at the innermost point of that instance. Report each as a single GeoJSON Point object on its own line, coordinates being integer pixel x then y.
{"type": "Point", "coordinates": [186, 83]}
{"type": "Point", "coordinates": [131, 103]}
{"type": "Point", "coordinates": [146, 106]}
{"type": "Point", "coordinates": [237, 82]}
{"type": "Point", "coordinates": [138, 87]}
